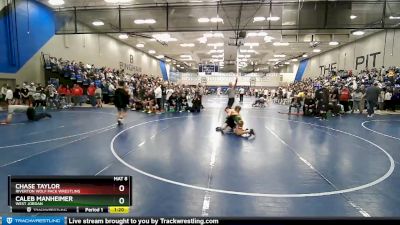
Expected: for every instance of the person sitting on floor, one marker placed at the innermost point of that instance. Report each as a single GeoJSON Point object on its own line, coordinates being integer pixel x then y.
{"type": "Point", "coordinates": [296, 103]}
{"type": "Point", "coordinates": [31, 113]}
{"type": "Point", "coordinates": [309, 105]}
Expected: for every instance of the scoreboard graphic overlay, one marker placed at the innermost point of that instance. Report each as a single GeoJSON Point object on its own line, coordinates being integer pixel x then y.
{"type": "Point", "coordinates": [75, 194]}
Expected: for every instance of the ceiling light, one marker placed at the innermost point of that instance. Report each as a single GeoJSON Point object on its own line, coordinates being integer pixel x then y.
{"type": "Point", "coordinates": [250, 44]}
{"type": "Point", "coordinates": [203, 20]}
{"type": "Point", "coordinates": [247, 50]}
{"type": "Point", "coordinates": [146, 21]}
{"type": "Point", "coordinates": [287, 63]}
{"type": "Point", "coordinates": [279, 56]}
{"type": "Point", "coordinates": [160, 56]}
{"type": "Point", "coordinates": [216, 20]}
{"type": "Point", "coordinates": [394, 17]}
{"type": "Point", "coordinates": [295, 60]}
{"type": "Point", "coordinates": [305, 56]}
{"type": "Point", "coordinates": [140, 45]}
{"type": "Point", "coordinates": [358, 33]}
{"type": "Point", "coordinates": [258, 19]}
{"type": "Point", "coordinates": [167, 60]}
{"type": "Point", "coordinates": [215, 35]}
{"type": "Point", "coordinates": [152, 51]}
{"type": "Point", "coordinates": [273, 18]}
{"type": "Point", "coordinates": [215, 44]}
{"type": "Point", "coordinates": [281, 44]}
{"type": "Point", "coordinates": [268, 38]}
{"type": "Point", "coordinates": [139, 21]}
{"type": "Point", "coordinates": [317, 50]}
{"type": "Point", "coordinates": [185, 56]}
{"type": "Point", "coordinates": [56, 2]}
{"type": "Point", "coordinates": [257, 34]}
{"type": "Point", "coordinates": [273, 60]}
{"type": "Point", "coordinates": [150, 21]}
{"type": "Point", "coordinates": [202, 40]}
{"type": "Point", "coordinates": [98, 23]}
{"type": "Point", "coordinates": [353, 17]}
{"type": "Point", "coordinates": [123, 36]}
{"type": "Point", "coordinates": [333, 43]}
{"type": "Point", "coordinates": [216, 51]}
{"type": "Point", "coordinates": [189, 45]}
{"type": "Point", "coordinates": [165, 37]}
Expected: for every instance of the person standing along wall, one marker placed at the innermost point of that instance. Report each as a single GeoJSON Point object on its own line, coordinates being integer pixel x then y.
{"type": "Point", "coordinates": [241, 94]}
{"type": "Point", "coordinates": [121, 101]}
{"type": "Point", "coordinates": [372, 95]}
{"type": "Point", "coordinates": [231, 93]}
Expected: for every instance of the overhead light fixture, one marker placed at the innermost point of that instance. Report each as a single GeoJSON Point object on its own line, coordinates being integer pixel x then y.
{"type": "Point", "coordinates": [251, 44]}
{"type": "Point", "coordinates": [185, 56]}
{"type": "Point", "coordinates": [258, 19]}
{"type": "Point", "coordinates": [268, 38]}
{"type": "Point", "coordinates": [279, 56]}
{"type": "Point", "coordinates": [358, 33]}
{"type": "Point", "coordinates": [56, 2]}
{"type": "Point", "coordinates": [213, 35]}
{"type": "Point", "coordinates": [98, 23]}
{"type": "Point", "coordinates": [152, 52]}
{"type": "Point", "coordinates": [333, 43]}
{"type": "Point", "coordinates": [123, 36]}
{"type": "Point", "coordinates": [353, 17]}
{"type": "Point", "coordinates": [167, 60]}
{"type": "Point", "coordinates": [287, 63]}
{"type": "Point", "coordinates": [273, 60]}
{"type": "Point", "coordinates": [316, 50]}
{"type": "Point", "coordinates": [164, 37]}
{"type": "Point", "coordinates": [140, 45]}
{"type": "Point", "coordinates": [257, 34]}
{"type": "Point", "coordinates": [202, 40]}
{"type": "Point", "coordinates": [188, 45]}
{"type": "Point", "coordinates": [160, 56]}
{"type": "Point", "coordinates": [215, 44]}
{"type": "Point", "coordinates": [247, 51]}
{"type": "Point", "coordinates": [203, 20]}
{"type": "Point", "coordinates": [273, 18]}
{"type": "Point", "coordinates": [146, 21]}
{"type": "Point", "coordinates": [295, 60]}
{"type": "Point", "coordinates": [216, 20]}
{"type": "Point", "coordinates": [394, 17]}
{"type": "Point", "coordinates": [216, 51]}
{"type": "Point", "coordinates": [305, 56]}
{"type": "Point", "coordinates": [281, 43]}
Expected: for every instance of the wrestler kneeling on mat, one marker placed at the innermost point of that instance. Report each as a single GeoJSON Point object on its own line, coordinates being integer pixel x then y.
{"type": "Point", "coordinates": [31, 113]}
{"type": "Point", "coordinates": [235, 123]}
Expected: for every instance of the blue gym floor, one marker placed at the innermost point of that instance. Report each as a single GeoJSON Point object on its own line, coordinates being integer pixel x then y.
{"type": "Point", "coordinates": [296, 166]}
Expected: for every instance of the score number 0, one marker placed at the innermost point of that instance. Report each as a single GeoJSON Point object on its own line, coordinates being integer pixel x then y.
{"type": "Point", "coordinates": [121, 188]}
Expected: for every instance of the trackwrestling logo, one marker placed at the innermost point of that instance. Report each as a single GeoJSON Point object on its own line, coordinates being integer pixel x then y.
{"type": "Point", "coordinates": [9, 220]}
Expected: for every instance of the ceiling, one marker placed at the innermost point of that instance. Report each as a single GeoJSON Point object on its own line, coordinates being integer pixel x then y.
{"type": "Point", "coordinates": [299, 23]}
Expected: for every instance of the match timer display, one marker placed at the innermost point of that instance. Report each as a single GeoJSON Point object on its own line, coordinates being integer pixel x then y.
{"type": "Point", "coordinates": [78, 194]}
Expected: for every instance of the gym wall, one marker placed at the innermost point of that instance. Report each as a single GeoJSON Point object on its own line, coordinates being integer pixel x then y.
{"type": "Point", "coordinates": [374, 51]}
{"type": "Point", "coordinates": [101, 50]}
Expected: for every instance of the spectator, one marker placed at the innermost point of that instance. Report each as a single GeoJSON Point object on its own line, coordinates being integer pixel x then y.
{"type": "Point", "coordinates": [91, 94]}
{"type": "Point", "coordinates": [371, 96]}
{"type": "Point", "coordinates": [77, 93]}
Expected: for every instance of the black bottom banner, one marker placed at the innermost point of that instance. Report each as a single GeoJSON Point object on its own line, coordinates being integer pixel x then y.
{"type": "Point", "coordinates": [223, 221]}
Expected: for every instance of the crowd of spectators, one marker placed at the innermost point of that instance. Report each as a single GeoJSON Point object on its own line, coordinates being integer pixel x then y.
{"type": "Point", "coordinates": [340, 93]}
{"type": "Point", "coordinates": [97, 86]}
